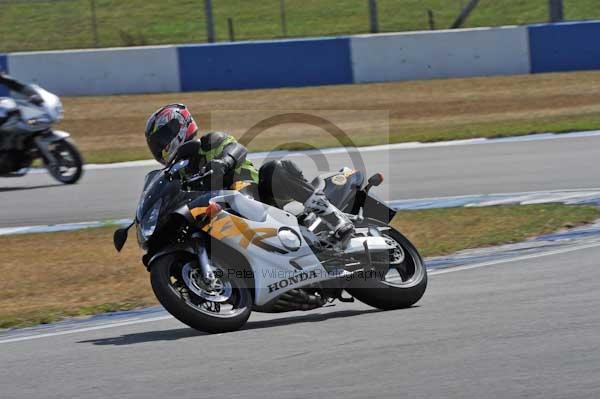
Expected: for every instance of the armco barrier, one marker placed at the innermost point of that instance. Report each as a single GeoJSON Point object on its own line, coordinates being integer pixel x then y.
{"type": "Point", "coordinates": [3, 67]}
{"type": "Point", "coordinates": [100, 72]}
{"type": "Point", "coordinates": [312, 62]}
{"type": "Point", "coordinates": [565, 46]}
{"type": "Point", "coordinates": [265, 64]}
{"type": "Point", "coordinates": [440, 54]}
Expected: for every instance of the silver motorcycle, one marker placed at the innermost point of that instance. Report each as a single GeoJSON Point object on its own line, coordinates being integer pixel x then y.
{"type": "Point", "coordinates": [214, 256]}
{"type": "Point", "coordinates": [26, 135]}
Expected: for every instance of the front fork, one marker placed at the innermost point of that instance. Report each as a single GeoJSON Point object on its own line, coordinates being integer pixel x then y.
{"type": "Point", "coordinates": [205, 267]}
{"type": "Point", "coordinates": [42, 146]}
{"type": "Point", "coordinates": [43, 141]}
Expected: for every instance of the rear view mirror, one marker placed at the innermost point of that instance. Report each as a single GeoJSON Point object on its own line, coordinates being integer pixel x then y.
{"type": "Point", "coordinates": [120, 238]}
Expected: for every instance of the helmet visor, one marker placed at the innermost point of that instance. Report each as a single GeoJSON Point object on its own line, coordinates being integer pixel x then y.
{"type": "Point", "coordinates": [165, 134]}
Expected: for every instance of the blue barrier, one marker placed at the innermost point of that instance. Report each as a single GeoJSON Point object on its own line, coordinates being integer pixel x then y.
{"type": "Point", "coordinates": [312, 62]}
{"type": "Point", "coordinates": [265, 64]}
{"type": "Point", "coordinates": [567, 46]}
{"type": "Point", "coordinates": [3, 67]}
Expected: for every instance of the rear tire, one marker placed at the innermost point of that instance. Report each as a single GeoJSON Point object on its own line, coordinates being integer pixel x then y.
{"type": "Point", "coordinates": [70, 162]}
{"type": "Point", "coordinates": [161, 278]}
{"type": "Point", "coordinates": [383, 295]}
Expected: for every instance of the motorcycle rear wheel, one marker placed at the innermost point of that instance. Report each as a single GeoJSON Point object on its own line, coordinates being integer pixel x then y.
{"type": "Point", "coordinates": [181, 300]}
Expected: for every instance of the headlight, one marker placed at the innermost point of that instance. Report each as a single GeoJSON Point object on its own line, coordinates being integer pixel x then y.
{"type": "Point", "coordinates": [289, 238]}
{"type": "Point", "coordinates": [150, 220]}
{"type": "Point", "coordinates": [59, 111]}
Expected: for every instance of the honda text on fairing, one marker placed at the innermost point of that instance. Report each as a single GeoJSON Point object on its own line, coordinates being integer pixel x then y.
{"type": "Point", "coordinates": [214, 256]}
{"type": "Point", "coordinates": [26, 134]}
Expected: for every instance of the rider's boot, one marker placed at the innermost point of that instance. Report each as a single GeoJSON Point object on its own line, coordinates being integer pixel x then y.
{"type": "Point", "coordinates": [341, 226]}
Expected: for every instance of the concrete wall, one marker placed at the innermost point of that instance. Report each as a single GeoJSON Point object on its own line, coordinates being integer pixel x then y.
{"type": "Point", "coordinates": [440, 54]}
{"type": "Point", "coordinates": [565, 46]}
{"type": "Point", "coordinates": [100, 72]}
{"type": "Point", "coordinates": [265, 64]}
{"type": "Point", "coordinates": [310, 62]}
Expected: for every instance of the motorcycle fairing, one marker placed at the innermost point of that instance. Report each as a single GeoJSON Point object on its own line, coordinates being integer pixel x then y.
{"type": "Point", "coordinates": [251, 228]}
{"type": "Point", "coordinates": [375, 208]}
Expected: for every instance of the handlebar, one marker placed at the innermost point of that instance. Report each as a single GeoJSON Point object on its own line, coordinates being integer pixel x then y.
{"type": "Point", "coordinates": [172, 171]}
{"type": "Point", "coordinates": [199, 176]}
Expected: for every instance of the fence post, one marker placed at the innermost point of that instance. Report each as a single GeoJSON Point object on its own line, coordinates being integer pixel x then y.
{"type": "Point", "coordinates": [464, 14]}
{"type": "Point", "coordinates": [556, 10]}
{"type": "Point", "coordinates": [94, 23]}
{"type": "Point", "coordinates": [283, 18]}
{"type": "Point", "coordinates": [210, 24]}
{"type": "Point", "coordinates": [431, 19]}
{"type": "Point", "coordinates": [231, 29]}
{"type": "Point", "coordinates": [373, 17]}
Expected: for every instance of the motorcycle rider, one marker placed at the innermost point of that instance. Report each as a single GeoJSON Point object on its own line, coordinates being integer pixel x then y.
{"type": "Point", "coordinates": [14, 85]}
{"type": "Point", "coordinates": [18, 87]}
{"type": "Point", "coordinates": [279, 181]}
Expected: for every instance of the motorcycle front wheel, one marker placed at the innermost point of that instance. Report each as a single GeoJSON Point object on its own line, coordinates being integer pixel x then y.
{"type": "Point", "coordinates": [401, 286]}
{"type": "Point", "coordinates": [178, 286]}
{"type": "Point", "coordinates": [69, 162]}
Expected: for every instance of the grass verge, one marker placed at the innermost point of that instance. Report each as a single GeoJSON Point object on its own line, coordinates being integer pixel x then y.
{"type": "Point", "coordinates": [47, 277]}
{"type": "Point", "coordinates": [445, 231]}
{"type": "Point", "coordinates": [69, 24]}
{"type": "Point", "coordinates": [110, 129]}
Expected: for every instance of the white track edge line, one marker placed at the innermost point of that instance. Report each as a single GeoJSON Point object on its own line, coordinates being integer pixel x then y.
{"type": "Point", "coordinates": [85, 329]}
{"type": "Point", "coordinates": [509, 260]}
{"type": "Point", "coordinates": [511, 194]}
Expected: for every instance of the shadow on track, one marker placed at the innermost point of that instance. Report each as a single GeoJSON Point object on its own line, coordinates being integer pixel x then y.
{"type": "Point", "coordinates": [24, 188]}
{"type": "Point", "coordinates": [180, 333]}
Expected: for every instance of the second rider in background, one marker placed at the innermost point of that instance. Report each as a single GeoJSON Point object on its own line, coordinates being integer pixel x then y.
{"type": "Point", "coordinates": [18, 87]}
{"type": "Point", "coordinates": [279, 182]}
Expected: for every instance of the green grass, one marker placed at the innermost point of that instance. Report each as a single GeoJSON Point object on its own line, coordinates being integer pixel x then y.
{"type": "Point", "coordinates": [445, 231]}
{"type": "Point", "coordinates": [51, 284]}
{"type": "Point", "coordinates": [425, 135]}
{"type": "Point", "coordinates": [496, 129]}
{"type": "Point", "coordinates": [426, 111]}
{"type": "Point", "coordinates": [62, 24]}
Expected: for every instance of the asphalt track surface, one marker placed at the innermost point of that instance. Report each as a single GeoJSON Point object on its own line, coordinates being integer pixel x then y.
{"type": "Point", "coordinates": [496, 167]}
{"type": "Point", "coordinates": [518, 329]}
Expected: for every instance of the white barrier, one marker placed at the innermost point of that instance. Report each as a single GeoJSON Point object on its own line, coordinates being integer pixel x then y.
{"type": "Point", "coordinates": [358, 59]}
{"type": "Point", "coordinates": [100, 72]}
{"type": "Point", "coordinates": [440, 54]}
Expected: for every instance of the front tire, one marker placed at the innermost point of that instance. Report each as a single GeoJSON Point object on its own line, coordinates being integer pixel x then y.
{"type": "Point", "coordinates": [401, 291]}
{"type": "Point", "coordinates": [175, 294]}
{"type": "Point", "coordinates": [69, 166]}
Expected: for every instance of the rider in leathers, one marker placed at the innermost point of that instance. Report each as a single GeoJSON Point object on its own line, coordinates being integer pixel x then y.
{"type": "Point", "coordinates": [14, 85]}
{"type": "Point", "coordinates": [279, 182]}
{"type": "Point", "coordinates": [18, 87]}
